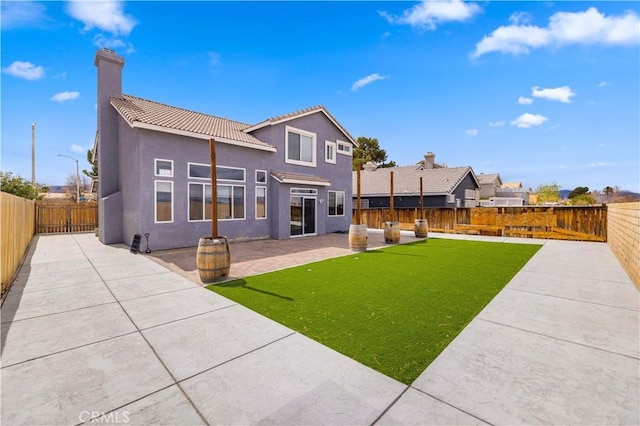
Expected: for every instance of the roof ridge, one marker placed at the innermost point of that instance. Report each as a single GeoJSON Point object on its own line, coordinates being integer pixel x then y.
{"type": "Point", "coordinates": [297, 112]}
{"type": "Point", "coordinates": [181, 109]}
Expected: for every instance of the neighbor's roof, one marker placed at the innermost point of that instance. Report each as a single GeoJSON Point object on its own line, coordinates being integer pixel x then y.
{"type": "Point", "coordinates": [512, 185]}
{"type": "Point", "coordinates": [299, 178]}
{"type": "Point", "coordinates": [301, 113]}
{"type": "Point", "coordinates": [143, 113]}
{"type": "Point", "coordinates": [406, 180]}
{"type": "Point", "coordinates": [488, 178]}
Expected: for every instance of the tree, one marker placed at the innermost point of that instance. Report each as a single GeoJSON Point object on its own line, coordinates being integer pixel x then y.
{"type": "Point", "coordinates": [580, 190]}
{"type": "Point", "coordinates": [94, 165]}
{"type": "Point", "coordinates": [17, 185]}
{"type": "Point", "coordinates": [369, 150]}
{"type": "Point", "coordinates": [608, 192]}
{"type": "Point", "coordinates": [548, 193]}
{"type": "Point", "coordinates": [582, 200]}
{"type": "Point", "coordinates": [70, 186]}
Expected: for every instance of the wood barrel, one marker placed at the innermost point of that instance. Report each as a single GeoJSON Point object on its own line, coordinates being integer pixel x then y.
{"type": "Point", "coordinates": [213, 259]}
{"type": "Point", "coordinates": [358, 237]}
{"type": "Point", "coordinates": [421, 228]}
{"type": "Point", "coordinates": [392, 232]}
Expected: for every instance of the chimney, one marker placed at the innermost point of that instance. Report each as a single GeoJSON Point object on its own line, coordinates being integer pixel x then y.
{"type": "Point", "coordinates": [109, 66]}
{"type": "Point", "coordinates": [429, 160]}
{"type": "Point", "coordinates": [369, 166]}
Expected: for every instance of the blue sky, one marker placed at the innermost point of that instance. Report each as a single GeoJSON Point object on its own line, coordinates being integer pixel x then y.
{"type": "Point", "coordinates": [539, 92]}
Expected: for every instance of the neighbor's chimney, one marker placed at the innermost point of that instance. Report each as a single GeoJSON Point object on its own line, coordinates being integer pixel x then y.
{"type": "Point", "coordinates": [369, 166]}
{"type": "Point", "coordinates": [429, 160]}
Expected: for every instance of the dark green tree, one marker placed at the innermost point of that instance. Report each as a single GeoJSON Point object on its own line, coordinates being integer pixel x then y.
{"type": "Point", "coordinates": [94, 166]}
{"type": "Point", "coordinates": [369, 150]}
{"type": "Point", "coordinates": [580, 190]}
{"type": "Point", "coordinates": [17, 185]}
{"type": "Point", "coordinates": [608, 192]}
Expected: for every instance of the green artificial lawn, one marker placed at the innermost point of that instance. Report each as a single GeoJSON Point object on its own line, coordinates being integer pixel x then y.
{"type": "Point", "coordinates": [393, 309]}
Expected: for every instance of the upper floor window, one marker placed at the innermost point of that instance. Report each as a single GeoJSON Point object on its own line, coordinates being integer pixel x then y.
{"type": "Point", "coordinates": [203, 171]}
{"type": "Point", "coordinates": [330, 152]}
{"type": "Point", "coordinates": [261, 176]}
{"type": "Point", "coordinates": [163, 168]}
{"type": "Point", "coordinates": [344, 148]}
{"type": "Point", "coordinates": [300, 147]}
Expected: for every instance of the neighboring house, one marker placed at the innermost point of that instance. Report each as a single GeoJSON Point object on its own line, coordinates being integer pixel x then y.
{"type": "Point", "coordinates": [489, 184]}
{"type": "Point", "coordinates": [442, 186]}
{"type": "Point", "coordinates": [284, 177]}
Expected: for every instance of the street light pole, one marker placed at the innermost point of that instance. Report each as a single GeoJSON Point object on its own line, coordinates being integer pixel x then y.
{"type": "Point", "coordinates": [33, 158]}
{"type": "Point", "coordinates": [77, 176]}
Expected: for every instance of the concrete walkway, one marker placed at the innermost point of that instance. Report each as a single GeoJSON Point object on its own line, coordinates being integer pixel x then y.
{"type": "Point", "coordinates": [94, 332]}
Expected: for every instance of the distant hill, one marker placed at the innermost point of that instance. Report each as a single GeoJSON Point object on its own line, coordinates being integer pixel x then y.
{"type": "Point", "coordinates": [564, 193]}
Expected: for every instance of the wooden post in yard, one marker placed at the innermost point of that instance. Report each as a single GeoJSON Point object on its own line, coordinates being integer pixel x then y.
{"type": "Point", "coordinates": [358, 212]}
{"type": "Point", "coordinates": [214, 190]}
{"type": "Point", "coordinates": [421, 201]}
{"type": "Point", "coordinates": [391, 209]}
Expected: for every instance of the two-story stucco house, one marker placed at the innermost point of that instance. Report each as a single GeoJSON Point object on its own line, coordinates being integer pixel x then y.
{"type": "Point", "coordinates": [284, 177]}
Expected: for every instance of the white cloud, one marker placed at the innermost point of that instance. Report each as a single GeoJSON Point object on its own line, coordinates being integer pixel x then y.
{"type": "Point", "coordinates": [520, 18]}
{"type": "Point", "coordinates": [525, 101]}
{"type": "Point", "coordinates": [65, 96]}
{"type": "Point", "coordinates": [604, 84]}
{"type": "Point", "coordinates": [77, 149]}
{"type": "Point", "coordinates": [527, 120]}
{"type": "Point", "coordinates": [19, 14]}
{"type": "Point", "coordinates": [428, 14]}
{"type": "Point", "coordinates": [472, 132]}
{"type": "Point", "coordinates": [105, 15]}
{"type": "Point", "coordinates": [25, 70]}
{"type": "Point", "coordinates": [560, 94]}
{"type": "Point", "coordinates": [114, 43]}
{"type": "Point", "coordinates": [565, 28]}
{"type": "Point", "coordinates": [367, 80]}
{"type": "Point", "coordinates": [496, 123]}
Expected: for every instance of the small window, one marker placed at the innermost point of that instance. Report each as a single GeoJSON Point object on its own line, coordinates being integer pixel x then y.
{"type": "Point", "coordinates": [164, 168]}
{"type": "Point", "coordinates": [261, 202]}
{"type": "Point", "coordinates": [344, 148]}
{"type": "Point", "coordinates": [330, 152]}
{"type": "Point", "coordinates": [199, 171]}
{"type": "Point", "coordinates": [261, 176]}
{"type": "Point", "coordinates": [163, 201]}
{"type": "Point", "coordinates": [203, 171]}
{"type": "Point", "coordinates": [364, 204]}
{"type": "Point", "coordinates": [303, 191]}
{"type": "Point", "coordinates": [336, 203]}
{"type": "Point", "coordinates": [300, 147]}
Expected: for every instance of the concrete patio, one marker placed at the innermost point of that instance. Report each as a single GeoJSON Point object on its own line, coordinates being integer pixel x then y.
{"type": "Point", "coordinates": [94, 332]}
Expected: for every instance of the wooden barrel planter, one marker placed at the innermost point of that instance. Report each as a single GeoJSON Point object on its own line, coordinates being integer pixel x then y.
{"type": "Point", "coordinates": [421, 228]}
{"type": "Point", "coordinates": [392, 232]}
{"type": "Point", "coordinates": [358, 237]}
{"type": "Point", "coordinates": [213, 259]}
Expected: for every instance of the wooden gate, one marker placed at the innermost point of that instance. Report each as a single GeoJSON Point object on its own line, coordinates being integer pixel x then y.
{"type": "Point", "coordinates": [66, 218]}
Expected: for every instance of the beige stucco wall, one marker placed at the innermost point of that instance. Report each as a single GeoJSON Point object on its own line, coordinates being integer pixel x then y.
{"type": "Point", "coordinates": [623, 236]}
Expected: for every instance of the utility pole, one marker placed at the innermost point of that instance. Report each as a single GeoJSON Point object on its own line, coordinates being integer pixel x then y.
{"type": "Point", "coordinates": [77, 176]}
{"type": "Point", "coordinates": [33, 159]}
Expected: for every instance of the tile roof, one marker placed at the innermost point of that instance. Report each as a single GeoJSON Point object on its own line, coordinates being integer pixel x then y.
{"type": "Point", "coordinates": [406, 180]}
{"type": "Point", "coordinates": [138, 110]}
{"type": "Point", "coordinates": [299, 177]}
{"type": "Point", "coordinates": [488, 178]}
{"type": "Point", "coordinates": [300, 113]}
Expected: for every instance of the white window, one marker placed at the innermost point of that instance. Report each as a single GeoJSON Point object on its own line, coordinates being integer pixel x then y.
{"type": "Point", "coordinates": [203, 171]}
{"type": "Point", "coordinates": [261, 202]}
{"type": "Point", "coordinates": [303, 191]}
{"type": "Point", "coordinates": [330, 152]}
{"type": "Point", "coordinates": [300, 147]}
{"type": "Point", "coordinates": [163, 168]}
{"type": "Point", "coordinates": [199, 201]}
{"type": "Point", "coordinates": [336, 203]}
{"type": "Point", "coordinates": [344, 148]}
{"type": "Point", "coordinates": [164, 201]}
{"type": "Point", "coordinates": [231, 202]}
{"type": "Point", "coordinates": [261, 176]}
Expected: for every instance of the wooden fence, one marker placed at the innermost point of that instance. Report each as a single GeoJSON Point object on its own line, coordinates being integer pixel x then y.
{"type": "Point", "coordinates": [582, 223]}
{"type": "Point", "coordinates": [18, 226]}
{"type": "Point", "coordinates": [55, 218]}
{"type": "Point", "coordinates": [624, 236]}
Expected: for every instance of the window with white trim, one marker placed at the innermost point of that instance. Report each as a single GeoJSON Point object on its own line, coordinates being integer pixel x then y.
{"type": "Point", "coordinates": [231, 203]}
{"type": "Point", "coordinates": [330, 152]}
{"type": "Point", "coordinates": [300, 147]}
{"type": "Point", "coordinates": [199, 201]}
{"type": "Point", "coordinates": [261, 176]}
{"type": "Point", "coordinates": [303, 191]}
{"type": "Point", "coordinates": [336, 203]}
{"type": "Point", "coordinates": [163, 168]}
{"type": "Point", "coordinates": [344, 148]}
{"type": "Point", "coordinates": [163, 199]}
{"type": "Point", "coordinates": [261, 202]}
{"type": "Point", "coordinates": [203, 171]}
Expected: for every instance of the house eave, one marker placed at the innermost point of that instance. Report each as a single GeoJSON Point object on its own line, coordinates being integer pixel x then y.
{"type": "Point", "coordinates": [301, 182]}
